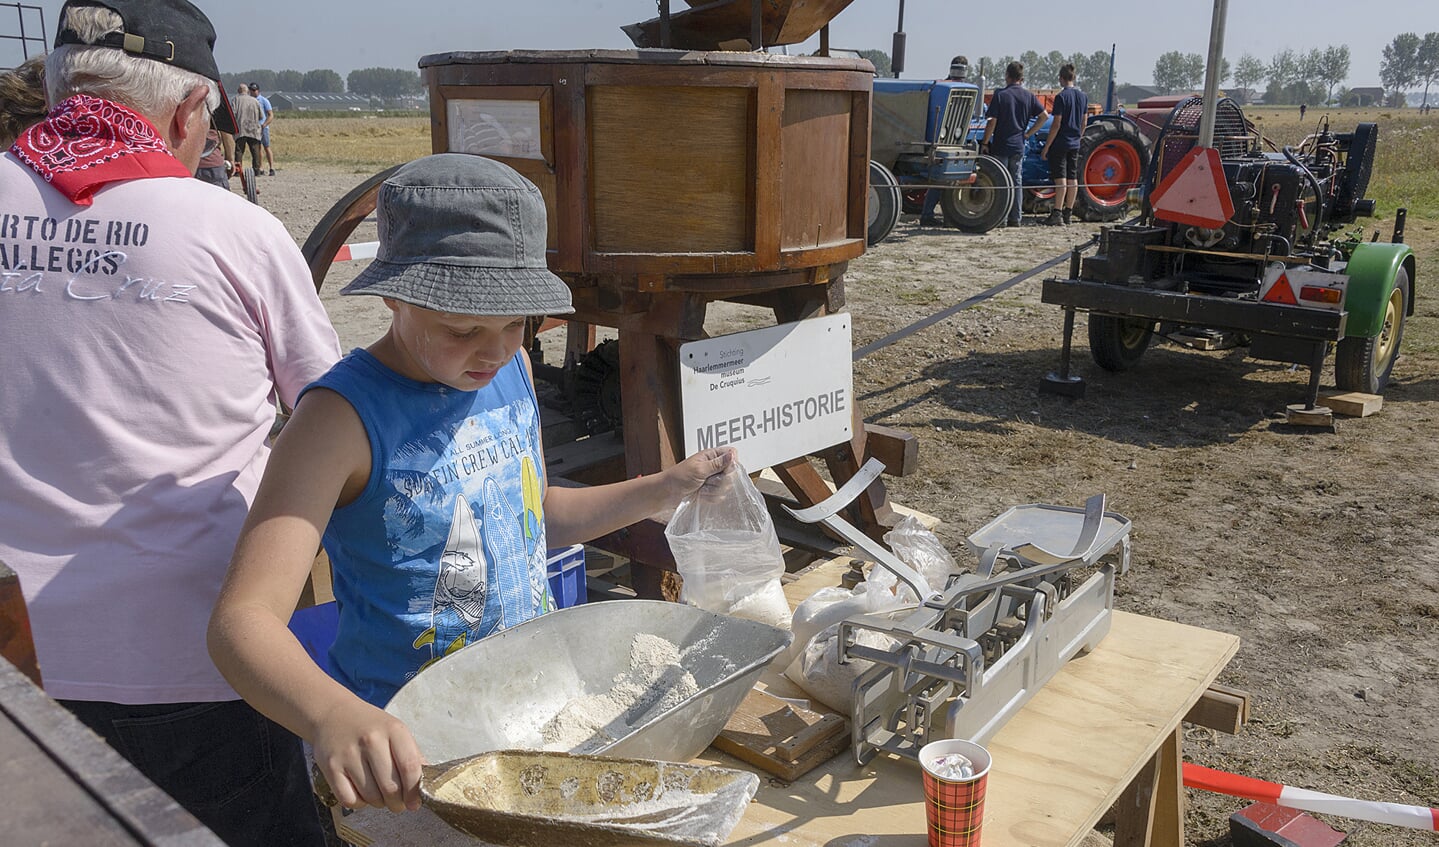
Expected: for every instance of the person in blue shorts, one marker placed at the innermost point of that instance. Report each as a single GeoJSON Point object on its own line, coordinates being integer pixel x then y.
{"type": "Point", "coordinates": [268, 112]}
{"type": "Point", "coordinates": [1061, 146]}
{"type": "Point", "coordinates": [1014, 115]}
{"type": "Point", "coordinates": [418, 461]}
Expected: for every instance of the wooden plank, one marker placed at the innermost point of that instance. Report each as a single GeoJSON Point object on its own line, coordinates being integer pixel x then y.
{"type": "Point", "coordinates": [1134, 811]}
{"type": "Point", "coordinates": [1353, 404]}
{"type": "Point", "coordinates": [766, 176]}
{"type": "Point", "coordinates": [899, 450]}
{"type": "Point", "coordinates": [814, 149]}
{"type": "Point", "coordinates": [83, 791]}
{"type": "Point", "coordinates": [17, 642]}
{"type": "Point", "coordinates": [780, 738]}
{"type": "Point", "coordinates": [641, 138]}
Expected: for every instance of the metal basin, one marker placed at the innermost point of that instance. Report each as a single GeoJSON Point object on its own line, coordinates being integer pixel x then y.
{"type": "Point", "coordinates": [498, 693]}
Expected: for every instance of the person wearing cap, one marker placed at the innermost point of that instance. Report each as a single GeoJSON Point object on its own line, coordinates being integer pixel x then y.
{"type": "Point", "coordinates": [151, 325]}
{"type": "Point", "coordinates": [268, 112]}
{"type": "Point", "coordinates": [418, 462]}
{"type": "Point", "coordinates": [249, 123]}
{"type": "Point", "coordinates": [958, 72]}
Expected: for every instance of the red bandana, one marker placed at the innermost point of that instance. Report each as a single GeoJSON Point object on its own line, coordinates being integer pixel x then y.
{"type": "Point", "coordinates": [87, 143]}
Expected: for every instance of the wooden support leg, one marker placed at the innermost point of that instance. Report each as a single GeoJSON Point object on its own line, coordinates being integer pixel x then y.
{"type": "Point", "coordinates": [1150, 812]}
{"type": "Point", "coordinates": [649, 390]}
{"type": "Point", "coordinates": [17, 644]}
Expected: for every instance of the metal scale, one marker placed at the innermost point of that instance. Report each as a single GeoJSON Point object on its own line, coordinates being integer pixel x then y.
{"type": "Point", "coordinates": [970, 656]}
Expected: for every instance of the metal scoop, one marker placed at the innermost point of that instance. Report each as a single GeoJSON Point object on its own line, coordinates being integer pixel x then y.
{"type": "Point", "coordinates": [526, 798]}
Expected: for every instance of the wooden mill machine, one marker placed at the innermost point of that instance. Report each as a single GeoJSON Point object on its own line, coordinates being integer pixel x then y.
{"type": "Point", "coordinates": [675, 178]}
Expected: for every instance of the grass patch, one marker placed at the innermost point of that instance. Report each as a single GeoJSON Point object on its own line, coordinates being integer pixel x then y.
{"type": "Point", "coordinates": [371, 142]}
{"type": "Point", "coordinates": [922, 296]}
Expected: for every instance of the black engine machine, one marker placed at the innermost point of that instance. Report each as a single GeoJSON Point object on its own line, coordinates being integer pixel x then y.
{"type": "Point", "coordinates": [1218, 283]}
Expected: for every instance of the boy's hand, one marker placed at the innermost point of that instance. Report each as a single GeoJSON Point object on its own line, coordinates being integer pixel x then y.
{"type": "Point", "coordinates": [687, 477]}
{"type": "Point", "coordinates": [369, 758]}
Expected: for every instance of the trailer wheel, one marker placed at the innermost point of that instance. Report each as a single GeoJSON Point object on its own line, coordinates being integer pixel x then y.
{"type": "Point", "coordinates": [983, 204]}
{"type": "Point", "coordinates": [1117, 343]}
{"type": "Point", "coordinates": [247, 179]}
{"type": "Point", "coordinates": [1112, 159]}
{"type": "Point", "coordinates": [1364, 364]}
{"type": "Point", "coordinates": [883, 209]}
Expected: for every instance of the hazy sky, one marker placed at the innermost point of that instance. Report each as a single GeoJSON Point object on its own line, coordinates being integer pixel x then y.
{"type": "Point", "coordinates": [306, 34]}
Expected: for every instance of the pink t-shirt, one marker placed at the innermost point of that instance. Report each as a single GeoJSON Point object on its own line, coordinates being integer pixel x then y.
{"type": "Point", "coordinates": [145, 339]}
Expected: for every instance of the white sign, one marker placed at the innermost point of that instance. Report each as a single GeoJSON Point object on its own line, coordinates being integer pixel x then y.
{"type": "Point", "coordinates": [774, 393]}
{"type": "Point", "coordinates": [495, 128]}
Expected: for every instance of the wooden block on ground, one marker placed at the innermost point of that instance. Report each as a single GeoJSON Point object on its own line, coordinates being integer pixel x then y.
{"type": "Point", "coordinates": [782, 739]}
{"type": "Point", "coordinates": [1353, 404]}
{"type": "Point", "coordinates": [1221, 708]}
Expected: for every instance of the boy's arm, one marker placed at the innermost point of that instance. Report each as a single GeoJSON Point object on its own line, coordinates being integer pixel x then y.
{"type": "Point", "coordinates": [321, 458]}
{"type": "Point", "coordinates": [1053, 133]}
{"type": "Point", "coordinates": [573, 515]}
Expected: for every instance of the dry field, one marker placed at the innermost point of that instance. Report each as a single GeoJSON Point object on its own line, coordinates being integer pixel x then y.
{"type": "Point", "coordinates": [1321, 551]}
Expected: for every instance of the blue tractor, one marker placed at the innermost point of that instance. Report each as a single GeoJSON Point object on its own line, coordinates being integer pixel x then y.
{"type": "Point", "coordinates": [920, 137]}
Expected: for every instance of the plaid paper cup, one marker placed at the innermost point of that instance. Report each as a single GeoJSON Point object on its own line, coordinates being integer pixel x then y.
{"type": "Point", "coordinates": [954, 808]}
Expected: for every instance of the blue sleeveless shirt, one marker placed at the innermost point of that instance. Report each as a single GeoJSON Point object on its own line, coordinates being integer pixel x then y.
{"type": "Point", "coordinates": [446, 544]}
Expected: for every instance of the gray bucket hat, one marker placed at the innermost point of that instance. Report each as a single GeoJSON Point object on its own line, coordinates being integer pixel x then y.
{"type": "Point", "coordinates": [463, 234]}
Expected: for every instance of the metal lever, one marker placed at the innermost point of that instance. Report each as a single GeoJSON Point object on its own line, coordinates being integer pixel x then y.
{"type": "Point", "coordinates": [826, 514]}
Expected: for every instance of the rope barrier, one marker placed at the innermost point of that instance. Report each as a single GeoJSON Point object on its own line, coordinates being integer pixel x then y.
{"type": "Point", "coordinates": [1262, 791]}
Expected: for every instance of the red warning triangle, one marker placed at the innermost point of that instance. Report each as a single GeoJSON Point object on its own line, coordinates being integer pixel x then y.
{"type": "Point", "coordinates": [1194, 192]}
{"type": "Point", "coordinates": [1281, 292]}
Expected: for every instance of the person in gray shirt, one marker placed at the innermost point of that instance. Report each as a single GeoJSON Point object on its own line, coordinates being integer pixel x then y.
{"type": "Point", "coordinates": [248, 119]}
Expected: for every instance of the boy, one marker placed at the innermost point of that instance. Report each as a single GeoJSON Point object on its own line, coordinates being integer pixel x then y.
{"type": "Point", "coordinates": [1061, 146]}
{"type": "Point", "coordinates": [419, 458]}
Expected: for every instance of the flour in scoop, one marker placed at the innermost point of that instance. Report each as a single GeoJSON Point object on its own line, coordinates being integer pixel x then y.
{"type": "Point", "coordinates": [654, 683]}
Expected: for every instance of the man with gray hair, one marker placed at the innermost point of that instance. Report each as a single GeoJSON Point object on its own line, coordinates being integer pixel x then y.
{"type": "Point", "coordinates": [248, 122]}
{"type": "Point", "coordinates": [151, 325]}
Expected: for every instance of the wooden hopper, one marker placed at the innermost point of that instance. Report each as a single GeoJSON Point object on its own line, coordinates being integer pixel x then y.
{"type": "Point", "coordinates": [724, 24]}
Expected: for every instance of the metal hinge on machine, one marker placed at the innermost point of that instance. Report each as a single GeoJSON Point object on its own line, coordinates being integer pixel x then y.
{"type": "Point", "coordinates": [973, 653]}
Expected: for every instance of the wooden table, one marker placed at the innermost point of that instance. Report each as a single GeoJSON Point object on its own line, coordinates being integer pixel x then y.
{"type": "Point", "coordinates": [1105, 730]}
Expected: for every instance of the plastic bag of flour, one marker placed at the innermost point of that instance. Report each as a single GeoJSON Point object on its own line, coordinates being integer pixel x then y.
{"type": "Point", "coordinates": [726, 551]}
{"type": "Point", "coordinates": [814, 654]}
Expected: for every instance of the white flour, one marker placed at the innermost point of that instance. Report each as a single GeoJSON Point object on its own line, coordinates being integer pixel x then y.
{"type": "Point", "coordinates": [654, 683]}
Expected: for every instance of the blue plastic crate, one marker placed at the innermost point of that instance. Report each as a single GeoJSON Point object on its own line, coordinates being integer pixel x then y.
{"type": "Point", "coordinates": [566, 571]}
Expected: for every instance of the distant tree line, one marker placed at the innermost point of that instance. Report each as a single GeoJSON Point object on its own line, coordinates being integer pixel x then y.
{"type": "Point", "coordinates": [370, 82]}
{"type": "Point", "coordinates": [1041, 70]}
{"type": "Point", "coordinates": [1408, 61]}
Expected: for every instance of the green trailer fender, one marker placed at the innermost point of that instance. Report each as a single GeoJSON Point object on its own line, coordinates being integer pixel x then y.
{"type": "Point", "coordinates": [1372, 268]}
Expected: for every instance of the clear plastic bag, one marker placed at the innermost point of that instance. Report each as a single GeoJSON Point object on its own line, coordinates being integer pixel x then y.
{"type": "Point", "coordinates": [921, 549]}
{"type": "Point", "coordinates": [726, 551]}
{"type": "Point", "coordinates": [814, 654]}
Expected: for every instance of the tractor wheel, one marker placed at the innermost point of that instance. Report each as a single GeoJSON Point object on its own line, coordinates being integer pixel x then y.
{"type": "Point", "coordinates": [883, 209]}
{"type": "Point", "coordinates": [1112, 159]}
{"type": "Point", "coordinates": [247, 179]}
{"type": "Point", "coordinates": [1364, 364]}
{"type": "Point", "coordinates": [1039, 200]}
{"type": "Point", "coordinates": [912, 200]}
{"type": "Point", "coordinates": [1117, 343]}
{"type": "Point", "coordinates": [983, 204]}
{"type": "Point", "coordinates": [595, 389]}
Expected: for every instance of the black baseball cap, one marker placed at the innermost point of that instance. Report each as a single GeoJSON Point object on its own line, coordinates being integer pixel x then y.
{"type": "Point", "coordinates": [169, 31]}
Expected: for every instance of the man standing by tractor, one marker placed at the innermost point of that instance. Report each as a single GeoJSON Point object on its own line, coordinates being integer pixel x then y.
{"type": "Point", "coordinates": [1014, 115]}
{"type": "Point", "coordinates": [1061, 147]}
{"type": "Point", "coordinates": [958, 71]}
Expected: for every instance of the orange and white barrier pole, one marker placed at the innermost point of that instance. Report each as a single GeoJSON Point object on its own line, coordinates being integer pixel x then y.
{"type": "Point", "coordinates": [364, 250]}
{"type": "Point", "coordinates": [1220, 782]}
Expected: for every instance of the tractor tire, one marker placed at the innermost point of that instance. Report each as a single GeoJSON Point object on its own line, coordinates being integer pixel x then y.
{"type": "Point", "coordinates": [247, 179]}
{"type": "Point", "coordinates": [983, 204]}
{"type": "Point", "coordinates": [1113, 156]}
{"type": "Point", "coordinates": [1117, 343]}
{"type": "Point", "coordinates": [1364, 364]}
{"type": "Point", "coordinates": [884, 202]}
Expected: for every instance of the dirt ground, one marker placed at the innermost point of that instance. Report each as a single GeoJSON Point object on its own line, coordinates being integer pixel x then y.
{"type": "Point", "coordinates": [1318, 549]}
